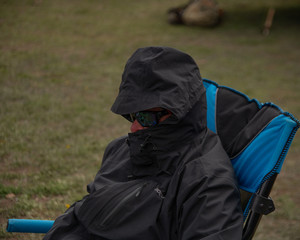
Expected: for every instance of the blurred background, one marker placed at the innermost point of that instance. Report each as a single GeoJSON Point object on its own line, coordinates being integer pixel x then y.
{"type": "Point", "coordinates": [60, 67]}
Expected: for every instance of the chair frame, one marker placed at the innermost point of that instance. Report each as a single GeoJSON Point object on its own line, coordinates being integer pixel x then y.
{"type": "Point", "coordinates": [254, 216]}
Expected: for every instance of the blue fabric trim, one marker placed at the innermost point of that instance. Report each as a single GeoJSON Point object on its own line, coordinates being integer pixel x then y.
{"type": "Point", "coordinates": [284, 151]}
{"type": "Point", "coordinates": [211, 90]}
{"type": "Point", "coordinates": [264, 154]}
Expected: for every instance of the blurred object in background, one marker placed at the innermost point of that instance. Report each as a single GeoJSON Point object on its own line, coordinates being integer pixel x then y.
{"type": "Point", "coordinates": [203, 13]}
{"type": "Point", "coordinates": [268, 22]}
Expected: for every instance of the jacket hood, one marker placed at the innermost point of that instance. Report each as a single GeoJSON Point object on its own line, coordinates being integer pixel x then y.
{"type": "Point", "coordinates": [160, 77]}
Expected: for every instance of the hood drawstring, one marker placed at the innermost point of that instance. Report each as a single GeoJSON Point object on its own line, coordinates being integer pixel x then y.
{"type": "Point", "coordinates": [147, 142]}
{"type": "Point", "coordinates": [143, 145]}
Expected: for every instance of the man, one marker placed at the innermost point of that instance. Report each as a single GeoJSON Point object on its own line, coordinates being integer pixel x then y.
{"type": "Point", "coordinates": [170, 177]}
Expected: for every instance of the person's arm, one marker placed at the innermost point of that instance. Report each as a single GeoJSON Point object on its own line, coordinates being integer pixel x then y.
{"type": "Point", "coordinates": [67, 227]}
{"type": "Point", "coordinates": [209, 206]}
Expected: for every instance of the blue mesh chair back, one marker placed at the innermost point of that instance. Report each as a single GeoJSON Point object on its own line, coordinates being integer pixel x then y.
{"type": "Point", "coordinates": [256, 136]}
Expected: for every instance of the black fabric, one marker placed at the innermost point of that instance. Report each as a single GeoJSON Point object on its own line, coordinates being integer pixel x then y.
{"type": "Point", "coordinates": [159, 77]}
{"type": "Point", "coordinates": [171, 181]}
{"type": "Point", "coordinates": [239, 120]}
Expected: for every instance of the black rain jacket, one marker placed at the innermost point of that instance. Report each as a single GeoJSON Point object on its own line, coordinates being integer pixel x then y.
{"type": "Point", "coordinates": [168, 182]}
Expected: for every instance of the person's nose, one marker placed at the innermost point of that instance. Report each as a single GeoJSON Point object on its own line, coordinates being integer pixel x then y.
{"type": "Point", "coordinates": [136, 126]}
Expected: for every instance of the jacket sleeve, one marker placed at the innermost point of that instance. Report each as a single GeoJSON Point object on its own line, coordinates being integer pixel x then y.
{"type": "Point", "coordinates": [209, 206]}
{"type": "Point", "coordinates": [67, 227]}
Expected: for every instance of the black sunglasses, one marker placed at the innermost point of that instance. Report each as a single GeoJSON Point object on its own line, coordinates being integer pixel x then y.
{"type": "Point", "coordinates": [146, 118]}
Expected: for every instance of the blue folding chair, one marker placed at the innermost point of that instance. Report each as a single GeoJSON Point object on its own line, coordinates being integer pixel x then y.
{"type": "Point", "coordinates": [255, 136]}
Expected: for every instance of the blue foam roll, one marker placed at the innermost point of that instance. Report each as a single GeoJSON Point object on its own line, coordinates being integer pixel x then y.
{"type": "Point", "coordinates": [29, 226]}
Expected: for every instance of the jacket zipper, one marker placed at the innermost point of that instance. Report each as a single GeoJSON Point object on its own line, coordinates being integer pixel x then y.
{"type": "Point", "coordinates": [159, 192]}
{"type": "Point", "coordinates": [114, 210]}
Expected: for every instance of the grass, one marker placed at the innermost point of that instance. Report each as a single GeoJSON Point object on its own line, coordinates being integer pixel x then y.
{"type": "Point", "coordinates": [60, 67]}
